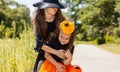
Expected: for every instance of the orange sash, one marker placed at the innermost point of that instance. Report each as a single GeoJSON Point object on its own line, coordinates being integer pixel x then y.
{"type": "Point", "coordinates": [49, 67]}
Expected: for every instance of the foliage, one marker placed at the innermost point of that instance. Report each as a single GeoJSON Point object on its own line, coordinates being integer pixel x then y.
{"type": "Point", "coordinates": [117, 32]}
{"type": "Point", "coordinates": [117, 41]}
{"type": "Point", "coordinates": [100, 40]}
{"type": "Point", "coordinates": [17, 55]}
{"type": "Point", "coordinates": [2, 30]}
{"type": "Point", "coordinates": [100, 15]}
{"type": "Point", "coordinates": [12, 13]}
{"type": "Point", "coordinates": [117, 8]}
{"type": "Point", "coordinates": [17, 42]}
{"type": "Point", "coordinates": [2, 15]}
{"type": "Point", "coordinates": [100, 12]}
{"type": "Point", "coordinates": [109, 39]}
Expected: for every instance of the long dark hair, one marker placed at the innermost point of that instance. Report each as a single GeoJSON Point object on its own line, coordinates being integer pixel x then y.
{"type": "Point", "coordinates": [40, 23]}
{"type": "Point", "coordinates": [70, 44]}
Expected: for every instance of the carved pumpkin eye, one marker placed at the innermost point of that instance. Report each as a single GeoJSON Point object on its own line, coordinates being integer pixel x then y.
{"type": "Point", "coordinates": [67, 27]}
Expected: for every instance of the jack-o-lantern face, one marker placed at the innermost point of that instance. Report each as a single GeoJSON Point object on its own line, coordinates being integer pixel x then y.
{"type": "Point", "coordinates": [67, 27]}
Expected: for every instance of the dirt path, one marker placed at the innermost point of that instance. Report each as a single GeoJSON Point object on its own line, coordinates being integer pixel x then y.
{"type": "Point", "coordinates": [94, 59]}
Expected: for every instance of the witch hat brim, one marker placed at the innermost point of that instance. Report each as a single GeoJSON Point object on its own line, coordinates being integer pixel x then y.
{"type": "Point", "coordinates": [42, 5]}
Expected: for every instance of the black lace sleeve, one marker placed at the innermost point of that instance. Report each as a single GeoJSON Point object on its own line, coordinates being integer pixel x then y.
{"type": "Point", "coordinates": [39, 43]}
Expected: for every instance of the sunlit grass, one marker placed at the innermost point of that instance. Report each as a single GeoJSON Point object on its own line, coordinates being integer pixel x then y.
{"type": "Point", "coordinates": [17, 55]}
{"type": "Point", "coordinates": [114, 48]}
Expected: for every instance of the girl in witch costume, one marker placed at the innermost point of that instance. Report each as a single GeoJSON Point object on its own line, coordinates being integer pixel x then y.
{"type": "Point", "coordinates": [47, 17]}
{"type": "Point", "coordinates": [63, 41]}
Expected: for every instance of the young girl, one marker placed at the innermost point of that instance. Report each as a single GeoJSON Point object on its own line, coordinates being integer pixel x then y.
{"type": "Point", "coordinates": [47, 16]}
{"type": "Point", "coordinates": [65, 42]}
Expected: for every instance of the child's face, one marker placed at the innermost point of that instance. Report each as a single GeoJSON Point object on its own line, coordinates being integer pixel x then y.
{"type": "Point", "coordinates": [64, 38]}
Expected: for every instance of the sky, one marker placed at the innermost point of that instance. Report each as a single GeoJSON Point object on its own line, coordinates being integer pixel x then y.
{"type": "Point", "coordinates": [29, 4]}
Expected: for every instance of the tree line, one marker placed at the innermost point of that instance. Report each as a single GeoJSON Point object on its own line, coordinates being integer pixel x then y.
{"type": "Point", "coordinates": [12, 18]}
{"type": "Point", "coordinates": [96, 19]}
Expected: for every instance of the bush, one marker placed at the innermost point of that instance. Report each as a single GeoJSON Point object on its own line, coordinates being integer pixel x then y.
{"type": "Point", "coordinates": [117, 32]}
{"type": "Point", "coordinates": [109, 39]}
{"type": "Point", "coordinates": [2, 29]}
{"type": "Point", "coordinates": [9, 33]}
{"type": "Point", "coordinates": [117, 40]}
{"type": "Point", "coordinates": [101, 40]}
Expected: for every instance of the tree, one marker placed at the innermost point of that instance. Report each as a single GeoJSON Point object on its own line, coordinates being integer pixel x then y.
{"type": "Point", "coordinates": [12, 11]}
{"type": "Point", "coordinates": [117, 9]}
{"type": "Point", "coordinates": [98, 13]}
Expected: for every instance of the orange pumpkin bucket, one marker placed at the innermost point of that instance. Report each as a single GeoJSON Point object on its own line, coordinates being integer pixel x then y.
{"type": "Point", "coordinates": [67, 27]}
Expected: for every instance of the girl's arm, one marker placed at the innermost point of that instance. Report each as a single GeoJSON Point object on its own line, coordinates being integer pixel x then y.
{"type": "Point", "coordinates": [54, 62]}
{"type": "Point", "coordinates": [69, 57]}
{"type": "Point", "coordinates": [53, 51]}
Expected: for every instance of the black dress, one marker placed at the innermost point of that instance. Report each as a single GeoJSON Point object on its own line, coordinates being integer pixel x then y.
{"type": "Point", "coordinates": [39, 43]}
{"type": "Point", "coordinates": [55, 44]}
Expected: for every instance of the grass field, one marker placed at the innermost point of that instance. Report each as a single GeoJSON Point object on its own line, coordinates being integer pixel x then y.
{"type": "Point", "coordinates": [114, 48]}
{"type": "Point", "coordinates": [17, 55]}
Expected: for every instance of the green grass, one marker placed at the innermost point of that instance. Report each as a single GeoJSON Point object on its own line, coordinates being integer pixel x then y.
{"type": "Point", "coordinates": [114, 48]}
{"type": "Point", "coordinates": [17, 55]}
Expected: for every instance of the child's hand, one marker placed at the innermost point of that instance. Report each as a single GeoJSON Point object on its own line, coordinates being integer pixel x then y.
{"type": "Point", "coordinates": [69, 58]}
{"type": "Point", "coordinates": [59, 68]}
{"type": "Point", "coordinates": [67, 54]}
{"type": "Point", "coordinates": [61, 54]}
